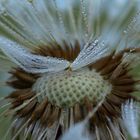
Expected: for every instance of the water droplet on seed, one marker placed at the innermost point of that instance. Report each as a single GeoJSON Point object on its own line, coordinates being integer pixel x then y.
{"type": "Point", "coordinates": [125, 32]}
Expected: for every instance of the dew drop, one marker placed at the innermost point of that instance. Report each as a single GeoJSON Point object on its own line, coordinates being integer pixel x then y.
{"type": "Point", "coordinates": [96, 41]}
{"type": "Point", "coordinates": [103, 44]}
{"type": "Point", "coordinates": [125, 32]}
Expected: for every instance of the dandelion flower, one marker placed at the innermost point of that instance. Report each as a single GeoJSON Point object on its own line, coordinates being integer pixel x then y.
{"type": "Point", "coordinates": [69, 64]}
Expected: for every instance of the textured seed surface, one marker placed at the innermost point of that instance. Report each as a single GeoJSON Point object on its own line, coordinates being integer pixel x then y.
{"type": "Point", "coordinates": [68, 88]}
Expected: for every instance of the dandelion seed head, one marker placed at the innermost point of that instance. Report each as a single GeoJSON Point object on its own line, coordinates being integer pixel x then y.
{"type": "Point", "coordinates": [73, 64]}
{"type": "Point", "coordinates": [67, 89]}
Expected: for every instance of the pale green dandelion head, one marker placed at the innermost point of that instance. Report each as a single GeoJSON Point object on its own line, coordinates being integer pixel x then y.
{"type": "Point", "coordinates": [70, 66]}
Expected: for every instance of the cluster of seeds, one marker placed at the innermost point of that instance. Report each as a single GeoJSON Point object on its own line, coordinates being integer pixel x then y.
{"type": "Point", "coordinates": [69, 88]}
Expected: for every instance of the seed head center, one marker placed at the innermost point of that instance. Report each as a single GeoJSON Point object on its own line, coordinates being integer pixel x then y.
{"type": "Point", "coordinates": [68, 88]}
